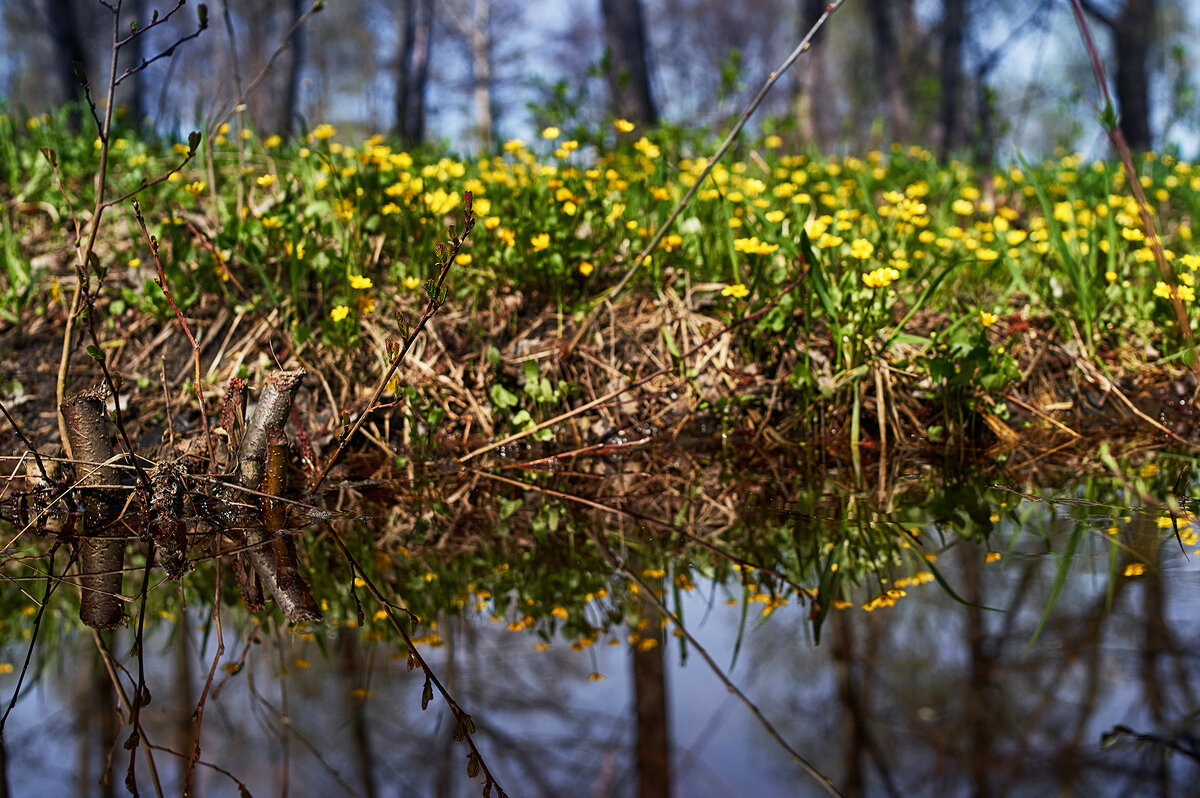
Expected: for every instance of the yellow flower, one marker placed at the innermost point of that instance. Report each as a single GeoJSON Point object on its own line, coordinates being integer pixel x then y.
{"type": "Point", "coordinates": [463, 259]}
{"type": "Point", "coordinates": [624, 125]}
{"type": "Point", "coordinates": [861, 248]}
{"type": "Point", "coordinates": [596, 677]}
{"type": "Point", "coordinates": [987, 319]}
{"type": "Point", "coordinates": [559, 612]}
{"type": "Point", "coordinates": [540, 241]}
{"type": "Point", "coordinates": [551, 133]}
{"type": "Point", "coordinates": [881, 277]}
{"type": "Point", "coordinates": [775, 217]}
{"type": "Point", "coordinates": [323, 131]}
{"type": "Point", "coordinates": [135, 262]}
{"type": "Point", "coordinates": [339, 313]}
{"type": "Point", "coordinates": [985, 254]}
{"type": "Point", "coordinates": [271, 142]}
{"type": "Point", "coordinates": [195, 188]}
{"type": "Point", "coordinates": [412, 283]}
{"type": "Point", "coordinates": [360, 283]}
{"type": "Point", "coordinates": [1135, 569]}
{"type": "Point", "coordinates": [991, 556]}
{"type": "Point", "coordinates": [773, 142]}
{"type": "Point", "coordinates": [647, 148]}
{"type": "Point", "coordinates": [753, 246]}
{"type": "Point", "coordinates": [266, 181]}
{"type": "Point", "coordinates": [737, 291]}
{"type": "Point", "coordinates": [585, 268]}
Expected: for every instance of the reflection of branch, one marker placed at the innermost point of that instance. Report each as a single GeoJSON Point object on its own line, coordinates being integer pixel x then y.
{"type": "Point", "coordinates": [1190, 750]}
{"type": "Point", "coordinates": [464, 726]}
{"type": "Point", "coordinates": [616, 565]}
{"type": "Point", "coordinates": [648, 521]}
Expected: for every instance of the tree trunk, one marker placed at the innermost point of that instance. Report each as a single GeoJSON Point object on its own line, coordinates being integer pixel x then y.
{"type": "Point", "coordinates": [808, 77]}
{"type": "Point", "coordinates": [137, 100]}
{"type": "Point", "coordinates": [950, 75]}
{"type": "Point", "coordinates": [1133, 38]}
{"type": "Point", "coordinates": [628, 76]}
{"type": "Point", "coordinates": [481, 71]}
{"type": "Point", "coordinates": [887, 67]}
{"type": "Point", "coordinates": [69, 51]}
{"type": "Point", "coordinates": [291, 97]}
{"type": "Point", "coordinates": [412, 68]}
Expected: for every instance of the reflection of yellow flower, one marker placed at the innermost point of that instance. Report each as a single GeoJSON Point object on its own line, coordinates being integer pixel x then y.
{"type": "Point", "coordinates": [360, 283]}
{"type": "Point", "coordinates": [1135, 569]}
{"type": "Point", "coordinates": [339, 313]}
{"type": "Point", "coordinates": [737, 291]}
{"type": "Point", "coordinates": [991, 556]}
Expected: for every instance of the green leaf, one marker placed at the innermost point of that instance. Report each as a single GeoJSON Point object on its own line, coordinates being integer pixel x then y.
{"type": "Point", "coordinates": [193, 140]}
{"type": "Point", "coordinates": [94, 352]}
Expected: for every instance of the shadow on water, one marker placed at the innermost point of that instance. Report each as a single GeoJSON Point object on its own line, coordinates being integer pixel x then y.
{"type": "Point", "coordinates": [656, 620]}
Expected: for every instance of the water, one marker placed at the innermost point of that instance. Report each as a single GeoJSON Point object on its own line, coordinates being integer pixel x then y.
{"type": "Point", "coordinates": [1040, 632]}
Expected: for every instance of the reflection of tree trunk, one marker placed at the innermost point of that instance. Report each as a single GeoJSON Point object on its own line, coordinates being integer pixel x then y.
{"type": "Point", "coordinates": [628, 74]}
{"type": "Point", "coordinates": [808, 77]}
{"type": "Point", "coordinates": [853, 735]}
{"type": "Point", "coordinates": [650, 706]}
{"type": "Point", "coordinates": [887, 67]}
{"type": "Point", "coordinates": [96, 729]}
{"type": "Point", "coordinates": [950, 74]}
{"type": "Point", "coordinates": [979, 704]}
{"type": "Point", "coordinates": [351, 669]}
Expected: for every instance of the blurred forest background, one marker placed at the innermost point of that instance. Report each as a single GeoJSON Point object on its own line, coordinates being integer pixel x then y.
{"type": "Point", "coordinates": [970, 78]}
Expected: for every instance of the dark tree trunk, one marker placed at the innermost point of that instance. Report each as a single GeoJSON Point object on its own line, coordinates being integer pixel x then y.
{"type": "Point", "coordinates": [950, 75]}
{"type": "Point", "coordinates": [69, 50]}
{"type": "Point", "coordinates": [137, 47]}
{"type": "Point", "coordinates": [628, 75]}
{"type": "Point", "coordinates": [291, 96]}
{"type": "Point", "coordinates": [887, 67]}
{"type": "Point", "coordinates": [412, 68]}
{"type": "Point", "coordinates": [1133, 36]}
{"type": "Point", "coordinates": [808, 80]}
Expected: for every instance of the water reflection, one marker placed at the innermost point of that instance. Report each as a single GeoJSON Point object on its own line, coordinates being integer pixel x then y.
{"type": "Point", "coordinates": [1048, 619]}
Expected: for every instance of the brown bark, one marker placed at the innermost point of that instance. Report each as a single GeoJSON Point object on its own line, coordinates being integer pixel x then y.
{"type": "Point", "coordinates": [272, 556]}
{"type": "Point", "coordinates": [102, 556]}
{"type": "Point", "coordinates": [628, 75]}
